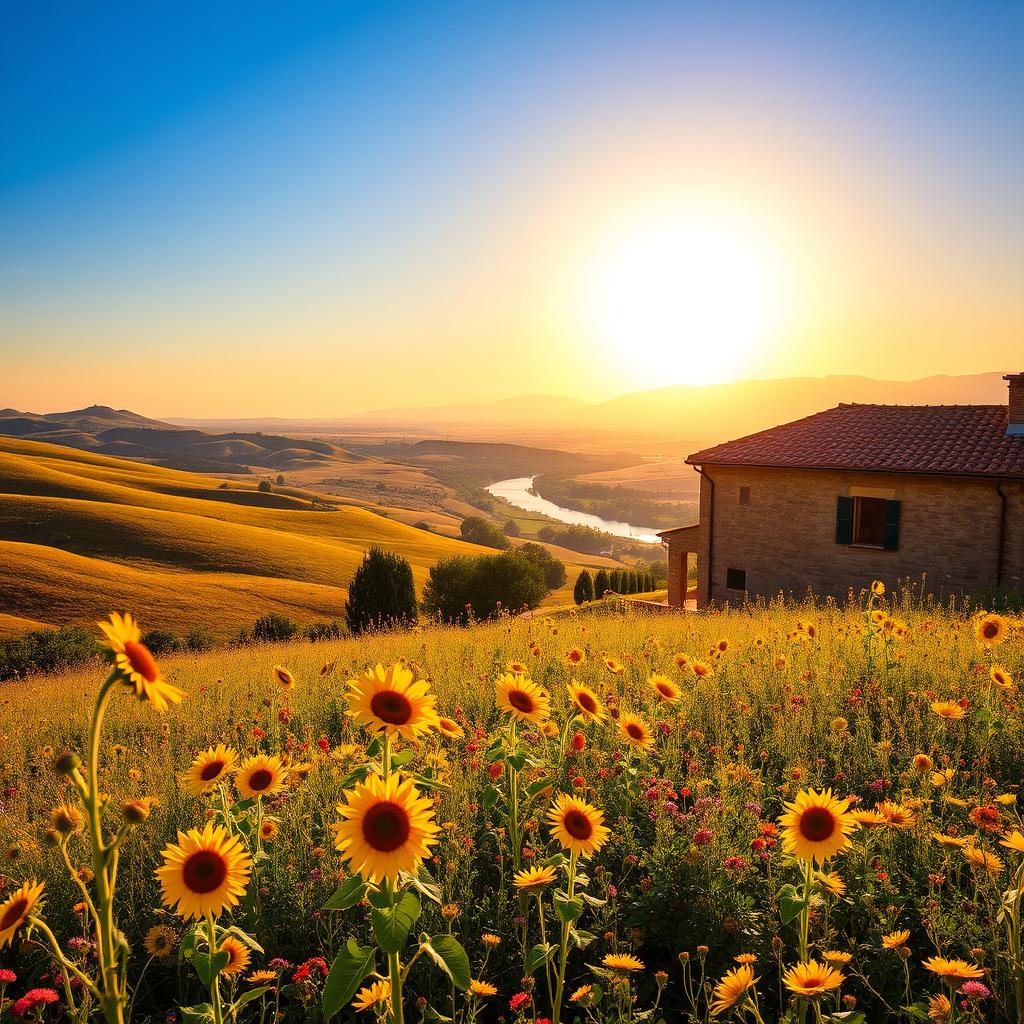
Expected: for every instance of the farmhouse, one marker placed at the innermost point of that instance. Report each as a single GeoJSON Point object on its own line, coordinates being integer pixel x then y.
{"type": "Point", "coordinates": [855, 493]}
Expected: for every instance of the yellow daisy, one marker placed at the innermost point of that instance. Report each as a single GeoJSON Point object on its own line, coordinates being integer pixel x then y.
{"type": "Point", "coordinates": [732, 988]}
{"type": "Point", "coordinates": [984, 860]}
{"type": "Point", "coordinates": [390, 701]}
{"type": "Point", "coordinates": [836, 957]}
{"type": "Point", "coordinates": [482, 988]}
{"type": "Point", "coordinates": [209, 768]}
{"type": "Point", "coordinates": [953, 970]}
{"type": "Point", "coordinates": [811, 979]}
{"type": "Point", "coordinates": [373, 995]}
{"type": "Point", "coordinates": [522, 698]}
{"type": "Point", "coordinates": [134, 663]}
{"type": "Point", "coordinates": [15, 910]}
{"type": "Point", "coordinates": [204, 872]}
{"type": "Point", "coordinates": [534, 877]}
{"type": "Point", "coordinates": [1013, 841]}
{"type": "Point", "coordinates": [622, 962]}
{"type": "Point", "coordinates": [895, 939]}
{"type": "Point", "coordinates": [816, 826]}
{"type": "Point", "coordinates": [578, 826]}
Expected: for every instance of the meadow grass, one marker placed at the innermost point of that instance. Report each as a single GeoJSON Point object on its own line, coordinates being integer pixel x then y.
{"type": "Point", "coordinates": [793, 697]}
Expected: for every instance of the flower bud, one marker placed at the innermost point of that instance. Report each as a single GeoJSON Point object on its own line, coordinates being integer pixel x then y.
{"type": "Point", "coordinates": [67, 763]}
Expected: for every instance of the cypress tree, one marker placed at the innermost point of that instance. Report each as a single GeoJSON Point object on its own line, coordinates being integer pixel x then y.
{"type": "Point", "coordinates": [601, 584]}
{"type": "Point", "coordinates": [381, 594]}
{"type": "Point", "coordinates": [584, 588]}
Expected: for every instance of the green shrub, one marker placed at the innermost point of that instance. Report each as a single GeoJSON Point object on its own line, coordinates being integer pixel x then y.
{"type": "Point", "coordinates": [162, 641]}
{"type": "Point", "coordinates": [382, 594]}
{"type": "Point", "coordinates": [320, 631]}
{"type": "Point", "coordinates": [462, 588]}
{"type": "Point", "coordinates": [273, 627]}
{"type": "Point", "coordinates": [476, 530]}
{"type": "Point", "coordinates": [46, 650]}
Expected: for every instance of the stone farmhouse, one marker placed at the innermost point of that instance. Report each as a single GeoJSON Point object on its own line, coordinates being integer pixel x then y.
{"type": "Point", "coordinates": [857, 493]}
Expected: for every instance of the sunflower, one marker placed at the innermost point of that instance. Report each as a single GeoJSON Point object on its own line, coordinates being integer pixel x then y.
{"type": "Point", "coordinates": [534, 878]}
{"type": "Point", "coordinates": [135, 665]}
{"type": "Point", "coordinates": [15, 910]}
{"type": "Point", "coordinates": [450, 728]}
{"type": "Point", "coordinates": [1013, 841]}
{"type": "Point", "coordinates": [577, 825]}
{"type": "Point", "coordinates": [868, 818]}
{"type": "Point", "coordinates": [990, 630]}
{"type": "Point", "coordinates": [952, 970]}
{"type": "Point", "coordinates": [284, 677]}
{"type": "Point", "coordinates": [261, 977]}
{"type": "Point", "coordinates": [945, 840]}
{"type": "Point", "coordinates": [482, 988]}
{"type": "Point", "coordinates": [614, 666]}
{"type": "Point", "coordinates": [895, 939]}
{"type": "Point", "coordinates": [239, 955]}
{"type": "Point", "coordinates": [204, 872]}
{"type": "Point", "coordinates": [582, 994]}
{"type": "Point", "coordinates": [208, 769]}
{"type": "Point", "coordinates": [575, 656]}
{"type": "Point", "coordinates": [522, 698]}
{"type": "Point", "coordinates": [816, 826]}
{"type": "Point", "coordinates": [373, 995]}
{"type": "Point", "coordinates": [268, 830]}
{"type": "Point", "coordinates": [831, 882]}
{"type": "Point", "coordinates": [261, 776]}
{"type": "Point", "coordinates": [732, 988]}
{"type": "Point", "coordinates": [812, 979]}
{"type": "Point", "coordinates": [877, 588]}
{"type": "Point", "coordinates": [664, 689]}
{"type": "Point", "coordinates": [983, 860]}
{"type": "Point", "coordinates": [897, 815]}
{"type": "Point", "coordinates": [1001, 677]}
{"type": "Point", "coordinates": [67, 819]}
{"type": "Point", "coordinates": [700, 669]}
{"type": "Point", "coordinates": [517, 668]}
{"type": "Point", "coordinates": [623, 962]}
{"type": "Point", "coordinates": [390, 701]}
{"type": "Point", "coordinates": [586, 703]}
{"type": "Point", "coordinates": [948, 709]}
{"type": "Point", "coordinates": [681, 660]}
{"type": "Point", "coordinates": [836, 957]}
{"type": "Point", "coordinates": [635, 732]}
{"type": "Point", "coordinates": [388, 827]}
{"type": "Point", "coordinates": [160, 941]}
{"type": "Point", "coordinates": [942, 777]}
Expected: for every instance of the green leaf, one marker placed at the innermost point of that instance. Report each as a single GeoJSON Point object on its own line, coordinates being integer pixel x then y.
{"type": "Point", "coordinates": [516, 761]}
{"type": "Point", "coordinates": [791, 904]}
{"type": "Point", "coordinates": [567, 910]}
{"type": "Point", "coordinates": [391, 926]}
{"type": "Point", "coordinates": [402, 757]}
{"type": "Point", "coordinates": [582, 938]}
{"type": "Point", "coordinates": [374, 748]}
{"type": "Point", "coordinates": [208, 967]}
{"type": "Point", "coordinates": [246, 997]}
{"type": "Point", "coordinates": [246, 938]}
{"type": "Point", "coordinates": [354, 776]}
{"type": "Point", "coordinates": [200, 1014]}
{"type": "Point", "coordinates": [539, 956]}
{"type": "Point", "coordinates": [449, 955]}
{"type": "Point", "coordinates": [348, 894]}
{"type": "Point", "coordinates": [350, 967]}
{"type": "Point", "coordinates": [423, 882]}
{"type": "Point", "coordinates": [539, 786]}
{"type": "Point", "coordinates": [489, 797]}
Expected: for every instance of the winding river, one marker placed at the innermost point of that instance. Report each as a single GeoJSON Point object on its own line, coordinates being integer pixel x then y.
{"type": "Point", "coordinates": [516, 491]}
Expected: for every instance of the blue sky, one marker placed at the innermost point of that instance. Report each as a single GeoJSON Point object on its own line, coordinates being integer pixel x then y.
{"type": "Point", "coordinates": [203, 186]}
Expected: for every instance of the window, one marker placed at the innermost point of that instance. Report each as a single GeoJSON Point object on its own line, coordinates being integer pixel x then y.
{"type": "Point", "coordinates": [868, 522]}
{"type": "Point", "coordinates": [736, 579]}
{"type": "Point", "coordinates": [744, 495]}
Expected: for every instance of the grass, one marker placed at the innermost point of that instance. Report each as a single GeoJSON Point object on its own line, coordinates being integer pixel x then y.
{"type": "Point", "coordinates": [796, 696]}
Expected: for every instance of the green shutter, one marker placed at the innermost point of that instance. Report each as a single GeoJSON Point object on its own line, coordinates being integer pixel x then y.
{"type": "Point", "coordinates": [892, 525]}
{"type": "Point", "coordinates": [844, 520]}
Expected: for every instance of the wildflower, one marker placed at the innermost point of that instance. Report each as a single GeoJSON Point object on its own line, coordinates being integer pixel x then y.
{"type": "Point", "coordinates": [1013, 841]}
{"type": "Point", "coordinates": [940, 778]}
{"type": "Point", "coordinates": [451, 729]}
{"type": "Point", "coordinates": [868, 818]}
{"type": "Point", "coordinates": [836, 958]}
{"type": "Point", "coordinates": [135, 664]}
{"type": "Point", "coordinates": [261, 776]}
{"type": "Point", "coordinates": [284, 677]}
{"type": "Point", "coordinates": [983, 859]}
{"type": "Point", "coordinates": [664, 688]}
{"type": "Point", "coordinates": [388, 827]}
{"type": "Point", "coordinates": [583, 995]}
{"type": "Point", "coordinates": [623, 962]}
{"type": "Point", "coordinates": [746, 958]}
{"type": "Point", "coordinates": [974, 990]}
{"type": "Point", "coordinates": [7, 977]}
{"type": "Point", "coordinates": [268, 830]}
{"type": "Point", "coordinates": [831, 882]}
{"type": "Point", "coordinates": [204, 873]}
{"type": "Point", "coordinates": [897, 815]}
{"type": "Point", "coordinates": [991, 630]}
{"type": "Point", "coordinates": [577, 825]}
{"type": "Point", "coordinates": [522, 698]}
{"type": "Point", "coordinates": [160, 941]}
{"type": "Point", "coordinates": [944, 840]}
{"type": "Point", "coordinates": [261, 977]}
{"type": "Point", "coordinates": [239, 955]}
{"type": "Point", "coordinates": [209, 768]}
{"type": "Point", "coordinates": [812, 979]}
{"type": "Point", "coordinates": [939, 1009]}
{"type": "Point", "coordinates": [895, 939]}
{"type": "Point", "coordinates": [389, 701]}
{"type": "Point", "coordinates": [635, 732]}
{"type": "Point", "coordinates": [482, 988]}
{"type": "Point", "coordinates": [450, 911]}
{"type": "Point", "coordinates": [922, 764]}
{"type": "Point", "coordinates": [67, 819]}
{"type": "Point", "coordinates": [519, 1000]}
{"type": "Point", "coordinates": [490, 940]}
{"type": "Point", "coordinates": [948, 709]}
{"type": "Point", "coordinates": [952, 970]}
{"type": "Point", "coordinates": [986, 819]}
{"type": "Point", "coordinates": [732, 988]}
{"type": "Point", "coordinates": [816, 826]}
{"type": "Point", "coordinates": [34, 999]}
{"type": "Point", "coordinates": [534, 878]}
{"type": "Point", "coordinates": [372, 995]}
{"type": "Point", "coordinates": [586, 703]}
{"type": "Point", "coordinates": [15, 910]}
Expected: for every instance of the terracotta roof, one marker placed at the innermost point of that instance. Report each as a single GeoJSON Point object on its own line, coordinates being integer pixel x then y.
{"type": "Point", "coordinates": [948, 439]}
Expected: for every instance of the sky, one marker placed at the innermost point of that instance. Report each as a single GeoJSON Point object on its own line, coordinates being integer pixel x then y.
{"type": "Point", "coordinates": [315, 209]}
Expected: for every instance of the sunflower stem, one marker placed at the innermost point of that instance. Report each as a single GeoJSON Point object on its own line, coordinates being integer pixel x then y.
{"type": "Point", "coordinates": [563, 953]}
{"type": "Point", "coordinates": [211, 940]}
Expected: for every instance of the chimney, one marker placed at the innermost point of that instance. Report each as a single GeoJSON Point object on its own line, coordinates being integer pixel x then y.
{"type": "Point", "coordinates": [1015, 420]}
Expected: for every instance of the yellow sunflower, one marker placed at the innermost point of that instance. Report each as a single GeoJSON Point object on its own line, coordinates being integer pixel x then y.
{"type": "Point", "coordinates": [1013, 841]}
{"type": "Point", "coordinates": [284, 677]}
{"type": "Point", "coordinates": [635, 732]}
{"type": "Point", "coordinates": [831, 882]}
{"type": "Point", "coordinates": [134, 663]}
{"type": "Point", "coordinates": [261, 977]}
{"type": "Point", "coordinates": [952, 970]}
{"type": "Point", "coordinates": [991, 630]}
{"type": "Point", "coordinates": [160, 941]}
{"type": "Point", "coordinates": [623, 962]}
{"type": "Point", "coordinates": [534, 878]}
{"type": "Point", "coordinates": [1001, 677]}
{"type": "Point", "coordinates": [522, 698]}
{"type": "Point", "coordinates": [482, 988]}
{"type": "Point", "coordinates": [388, 827]}
{"type": "Point", "coordinates": [701, 669]}
{"type": "Point", "coordinates": [373, 995]}
{"type": "Point", "coordinates": [261, 776]}
{"type": "Point", "coordinates": [812, 979]}
{"type": "Point", "coordinates": [895, 939]}
{"type": "Point", "coordinates": [392, 701]}
{"type": "Point", "coordinates": [209, 768]}
{"type": "Point", "coordinates": [897, 815]}
{"type": "Point", "coordinates": [204, 872]}
{"type": "Point", "coordinates": [269, 830]}
{"type": "Point", "coordinates": [239, 955]}
{"type": "Point", "coordinates": [575, 656]}
{"type": "Point", "coordinates": [732, 988]}
{"type": "Point", "coordinates": [67, 819]}
{"type": "Point", "coordinates": [586, 703]}
{"type": "Point", "coordinates": [868, 818]}
{"type": "Point", "coordinates": [664, 688]}
{"type": "Point", "coordinates": [877, 588]}
{"type": "Point", "coordinates": [948, 709]}
{"type": "Point", "coordinates": [816, 826]}
{"type": "Point", "coordinates": [614, 665]}
{"type": "Point", "coordinates": [582, 994]}
{"type": "Point", "coordinates": [450, 728]}
{"type": "Point", "coordinates": [517, 668]}
{"type": "Point", "coordinates": [578, 826]}
{"type": "Point", "coordinates": [15, 910]}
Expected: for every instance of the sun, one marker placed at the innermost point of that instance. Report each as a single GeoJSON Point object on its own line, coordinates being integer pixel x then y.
{"type": "Point", "coordinates": [692, 293]}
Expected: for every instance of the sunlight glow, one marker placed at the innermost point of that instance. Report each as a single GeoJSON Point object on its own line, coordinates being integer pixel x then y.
{"type": "Point", "coordinates": [694, 292]}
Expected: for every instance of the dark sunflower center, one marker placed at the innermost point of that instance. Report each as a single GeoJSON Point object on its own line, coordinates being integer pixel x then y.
{"type": "Point", "coordinates": [989, 630]}
{"type": "Point", "coordinates": [817, 824]}
{"type": "Point", "coordinates": [391, 707]}
{"type": "Point", "coordinates": [14, 913]}
{"type": "Point", "coordinates": [386, 826]}
{"type": "Point", "coordinates": [141, 660]}
{"type": "Point", "coordinates": [664, 690]}
{"type": "Point", "coordinates": [211, 771]}
{"type": "Point", "coordinates": [204, 872]}
{"type": "Point", "coordinates": [587, 702]}
{"type": "Point", "coordinates": [260, 779]}
{"type": "Point", "coordinates": [520, 700]}
{"type": "Point", "coordinates": [635, 731]}
{"type": "Point", "coordinates": [578, 825]}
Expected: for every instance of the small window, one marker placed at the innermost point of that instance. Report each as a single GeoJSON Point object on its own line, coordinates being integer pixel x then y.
{"type": "Point", "coordinates": [736, 579]}
{"type": "Point", "coordinates": [744, 495]}
{"type": "Point", "coordinates": [869, 521]}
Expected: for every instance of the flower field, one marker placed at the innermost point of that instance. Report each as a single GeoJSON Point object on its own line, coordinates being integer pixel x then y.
{"type": "Point", "coordinates": [789, 812]}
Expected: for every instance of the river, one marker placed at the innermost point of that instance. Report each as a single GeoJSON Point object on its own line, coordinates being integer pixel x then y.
{"type": "Point", "coordinates": [516, 491]}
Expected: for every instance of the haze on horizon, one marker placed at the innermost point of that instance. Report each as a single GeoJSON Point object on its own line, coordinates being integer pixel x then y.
{"type": "Point", "coordinates": [313, 211]}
